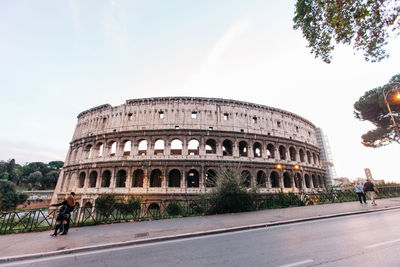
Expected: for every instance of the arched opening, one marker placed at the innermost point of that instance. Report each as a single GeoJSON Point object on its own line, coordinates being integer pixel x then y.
{"type": "Point", "coordinates": [153, 209]}
{"type": "Point", "coordinates": [243, 149]}
{"type": "Point", "coordinates": [292, 152]}
{"type": "Point", "coordinates": [257, 150]}
{"type": "Point", "coordinates": [155, 178]}
{"type": "Point", "coordinates": [315, 181]}
{"type": "Point", "coordinates": [309, 157]}
{"type": "Point", "coordinates": [82, 177]}
{"type": "Point", "coordinates": [274, 179]}
{"type": "Point", "coordinates": [106, 178]}
{"type": "Point", "coordinates": [314, 158]}
{"type": "Point", "coordinates": [174, 178]}
{"type": "Point", "coordinates": [301, 153]}
{"type": "Point", "coordinates": [88, 151]}
{"type": "Point", "coordinates": [287, 181]}
{"type": "Point", "coordinates": [92, 179]}
{"type": "Point", "coordinates": [138, 176]}
{"type": "Point", "coordinates": [193, 147]}
{"type": "Point", "coordinates": [321, 181]}
{"type": "Point", "coordinates": [99, 149]}
{"type": "Point", "coordinates": [159, 147]}
{"type": "Point", "coordinates": [270, 151]}
{"type": "Point", "coordinates": [127, 148]}
{"type": "Point", "coordinates": [88, 205]}
{"type": "Point", "coordinates": [282, 152]}
{"type": "Point", "coordinates": [193, 178]}
{"type": "Point", "coordinates": [142, 149]}
{"type": "Point", "coordinates": [298, 181]}
{"type": "Point", "coordinates": [211, 146]}
{"type": "Point", "coordinates": [227, 148]}
{"type": "Point", "coordinates": [261, 179]}
{"type": "Point", "coordinates": [121, 179]}
{"type": "Point", "coordinates": [113, 148]}
{"type": "Point", "coordinates": [246, 178]}
{"type": "Point", "coordinates": [307, 180]}
{"type": "Point", "coordinates": [211, 176]}
{"type": "Point", "coordinates": [176, 147]}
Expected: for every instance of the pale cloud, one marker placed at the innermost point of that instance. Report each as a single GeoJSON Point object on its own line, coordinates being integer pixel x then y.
{"type": "Point", "coordinates": [74, 7]}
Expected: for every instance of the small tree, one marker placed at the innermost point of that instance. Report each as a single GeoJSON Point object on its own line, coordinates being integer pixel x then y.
{"type": "Point", "coordinates": [9, 198]}
{"type": "Point", "coordinates": [105, 204]}
{"type": "Point", "coordinates": [230, 193]}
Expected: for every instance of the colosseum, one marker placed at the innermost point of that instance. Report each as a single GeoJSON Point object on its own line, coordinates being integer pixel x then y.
{"type": "Point", "coordinates": [172, 147]}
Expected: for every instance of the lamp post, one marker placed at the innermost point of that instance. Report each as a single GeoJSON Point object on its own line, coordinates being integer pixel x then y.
{"type": "Point", "coordinates": [385, 94]}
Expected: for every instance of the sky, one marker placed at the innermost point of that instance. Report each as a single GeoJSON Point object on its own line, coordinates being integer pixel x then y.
{"type": "Point", "coordinates": [59, 58]}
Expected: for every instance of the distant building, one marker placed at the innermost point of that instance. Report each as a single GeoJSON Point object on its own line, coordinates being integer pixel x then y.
{"type": "Point", "coordinates": [326, 156]}
{"type": "Point", "coordinates": [368, 173]}
{"type": "Point", "coordinates": [341, 181]}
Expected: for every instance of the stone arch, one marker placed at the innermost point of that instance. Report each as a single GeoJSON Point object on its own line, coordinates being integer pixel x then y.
{"type": "Point", "coordinates": [298, 181]}
{"type": "Point", "coordinates": [88, 205]}
{"type": "Point", "coordinates": [88, 151]}
{"type": "Point", "coordinates": [261, 179]}
{"type": "Point", "coordinates": [138, 177]}
{"type": "Point", "coordinates": [243, 149]}
{"type": "Point", "coordinates": [274, 177]}
{"type": "Point", "coordinates": [321, 181]}
{"type": "Point", "coordinates": [314, 158]}
{"type": "Point", "coordinates": [301, 154]}
{"type": "Point", "coordinates": [142, 147]}
{"type": "Point", "coordinates": [308, 157]}
{"type": "Point", "coordinates": [127, 147]}
{"type": "Point", "coordinates": [176, 147]}
{"type": "Point", "coordinates": [81, 181]}
{"type": "Point", "coordinates": [292, 152]}
{"type": "Point", "coordinates": [211, 146]}
{"type": "Point", "coordinates": [106, 179]}
{"type": "Point", "coordinates": [246, 177]}
{"type": "Point", "coordinates": [155, 178]}
{"type": "Point", "coordinates": [227, 147]}
{"type": "Point", "coordinates": [121, 179]}
{"type": "Point", "coordinates": [193, 178]}
{"type": "Point", "coordinates": [93, 179]}
{"type": "Point", "coordinates": [113, 148]}
{"type": "Point", "coordinates": [287, 180]}
{"type": "Point", "coordinates": [257, 150]}
{"type": "Point", "coordinates": [100, 149]}
{"type": "Point", "coordinates": [211, 176]}
{"type": "Point", "coordinates": [71, 181]}
{"type": "Point", "coordinates": [174, 178]}
{"type": "Point", "coordinates": [282, 152]}
{"type": "Point", "coordinates": [159, 147]}
{"type": "Point", "coordinates": [193, 147]}
{"type": "Point", "coordinates": [307, 180]}
{"type": "Point", "coordinates": [314, 180]}
{"type": "Point", "coordinates": [270, 151]}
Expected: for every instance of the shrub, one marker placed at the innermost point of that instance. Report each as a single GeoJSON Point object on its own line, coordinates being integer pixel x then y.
{"type": "Point", "coordinates": [230, 193]}
{"type": "Point", "coordinates": [105, 204]}
{"type": "Point", "coordinates": [130, 207]}
{"type": "Point", "coordinates": [173, 209]}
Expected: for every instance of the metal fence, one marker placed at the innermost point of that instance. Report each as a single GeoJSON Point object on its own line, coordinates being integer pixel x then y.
{"type": "Point", "coordinates": [39, 220]}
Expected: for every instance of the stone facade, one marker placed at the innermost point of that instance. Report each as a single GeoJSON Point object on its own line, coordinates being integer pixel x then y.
{"type": "Point", "coordinates": [171, 147]}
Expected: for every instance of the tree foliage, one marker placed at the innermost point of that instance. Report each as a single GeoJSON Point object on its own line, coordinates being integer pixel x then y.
{"type": "Point", "coordinates": [9, 198]}
{"type": "Point", "coordinates": [366, 24]}
{"type": "Point", "coordinates": [371, 107]}
{"type": "Point", "coordinates": [34, 175]}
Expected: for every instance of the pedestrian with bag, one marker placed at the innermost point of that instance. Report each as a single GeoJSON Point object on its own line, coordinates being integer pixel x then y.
{"type": "Point", "coordinates": [371, 188]}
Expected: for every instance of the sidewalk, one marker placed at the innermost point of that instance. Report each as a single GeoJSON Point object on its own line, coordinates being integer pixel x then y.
{"type": "Point", "coordinates": [39, 244]}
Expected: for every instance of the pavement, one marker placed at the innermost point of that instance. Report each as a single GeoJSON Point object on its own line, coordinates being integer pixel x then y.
{"type": "Point", "coordinates": [23, 246]}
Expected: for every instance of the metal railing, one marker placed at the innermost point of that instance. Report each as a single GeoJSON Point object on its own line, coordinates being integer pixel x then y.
{"type": "Point", "coordinates": [39, 220]}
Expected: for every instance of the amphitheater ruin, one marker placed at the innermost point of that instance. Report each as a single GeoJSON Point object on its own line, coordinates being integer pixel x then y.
{"type": "Point", "coordinates": [172, 147]}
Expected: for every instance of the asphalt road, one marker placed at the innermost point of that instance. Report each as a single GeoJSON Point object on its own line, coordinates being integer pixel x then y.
{"type": "Point", "coordinates": [360, 240]}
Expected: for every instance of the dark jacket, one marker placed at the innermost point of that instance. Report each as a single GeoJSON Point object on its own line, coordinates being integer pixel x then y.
{"type": "Point", "coordinates": [368, 186]}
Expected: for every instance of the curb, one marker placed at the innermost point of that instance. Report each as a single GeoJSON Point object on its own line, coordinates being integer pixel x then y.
{"type": "Point", "coordinates": [182, 236]}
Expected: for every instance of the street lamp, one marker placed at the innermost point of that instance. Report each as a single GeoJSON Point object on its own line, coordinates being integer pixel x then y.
{"type": "Point", "coordinates": [385, 94]}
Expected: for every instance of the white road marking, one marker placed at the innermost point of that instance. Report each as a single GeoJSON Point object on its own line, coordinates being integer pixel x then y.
{"type": "Point", "coordinates": [383, 243]}
{"type": "Point", "coordinates": [296, 263]}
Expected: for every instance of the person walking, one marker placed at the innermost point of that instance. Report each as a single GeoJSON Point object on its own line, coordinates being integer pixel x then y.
{"type": "Point", "coordinates": [69, 203]}
{"type": "Point", "coordinates": [371, 188]}
{"type": "Point", "coordinates": [360, 193]}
